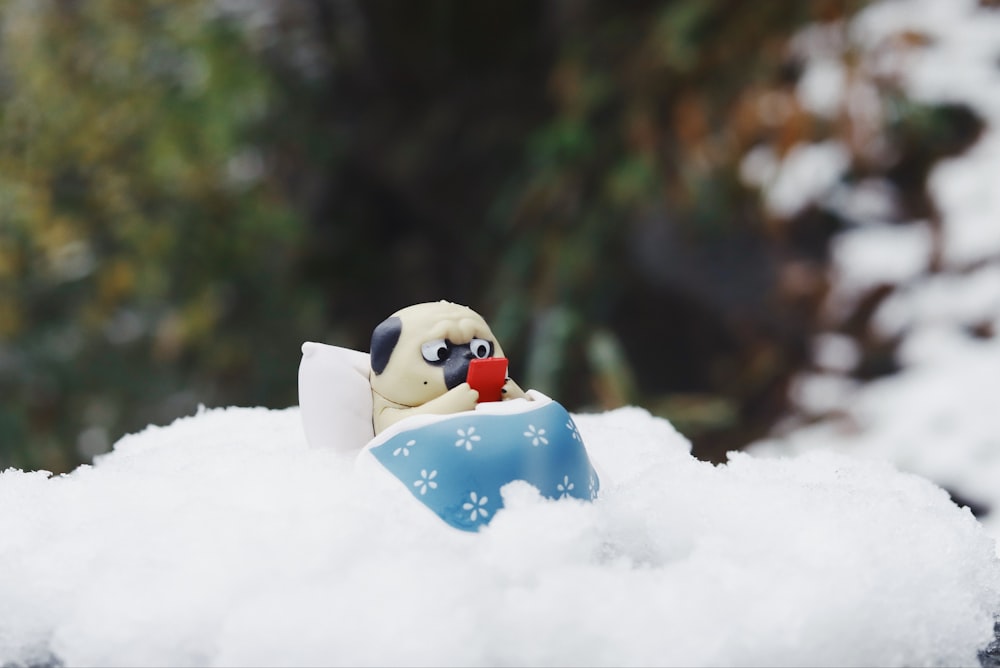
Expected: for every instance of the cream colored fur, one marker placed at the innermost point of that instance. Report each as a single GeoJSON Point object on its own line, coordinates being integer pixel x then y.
{"type": "Point", "coordinates": [409, 385]}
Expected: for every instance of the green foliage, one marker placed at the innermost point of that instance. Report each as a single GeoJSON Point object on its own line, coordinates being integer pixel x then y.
{"type": "Point", "coordinates": [653, 109]}
{"type": "Point", "coordinates": [144, 259]}
{"type": "Point", "coordinates": [188, 193]}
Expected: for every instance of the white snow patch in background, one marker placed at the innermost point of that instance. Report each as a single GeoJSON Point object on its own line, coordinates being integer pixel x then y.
{"type": "Point", "coordinates": [759, 166]}
{"type": "Point", "coordinates": [223, 540]}
{"type": "Point", "coordinates": [865, 202]}
{"type": "Point", "coordinates": [967, 299]}
{"type": "Point", "coordinates": [819, 393]}
{"type": "Point", "coordinates": [967, 190]}
{"type": "Point", "coordinates": [821, 86]}
{"type": "Point", "coordinates": [938, 416]}
{"type": "Point", "coordinates": [959, 65]}
{"type": "Point", "coordinates": [867, 256]}
{"type": "Point", "coordinates": [807, 173]}
{"type": "Point", "coordinates": [835, 352]}
{"type": "Point", "coordinates": [878, 254]}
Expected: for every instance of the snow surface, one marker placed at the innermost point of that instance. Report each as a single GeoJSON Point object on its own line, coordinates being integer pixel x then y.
{"type": "Point", "coordinates": [223, 539]}
{"type": "Point", "coordinates": [939, 419]}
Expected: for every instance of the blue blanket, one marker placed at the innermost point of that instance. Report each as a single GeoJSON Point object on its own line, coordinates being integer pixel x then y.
{"type": "Point", "coordinates": [456, 464]}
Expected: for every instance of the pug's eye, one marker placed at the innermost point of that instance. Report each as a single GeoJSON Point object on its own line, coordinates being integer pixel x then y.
{"type": "Point", "coordinates": [481, 348]}
{"type": "Point", "coordinates": [435, 351]}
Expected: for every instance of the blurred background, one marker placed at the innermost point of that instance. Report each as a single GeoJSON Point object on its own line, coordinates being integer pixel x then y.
{"type": "Point", "coordinates": [642, 199]}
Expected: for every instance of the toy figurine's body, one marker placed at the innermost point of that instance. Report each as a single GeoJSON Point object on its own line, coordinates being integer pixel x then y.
{"type": "Point", "coordinates": [441, 362]}
{"type": "Point", "coordinates": [420, 359]}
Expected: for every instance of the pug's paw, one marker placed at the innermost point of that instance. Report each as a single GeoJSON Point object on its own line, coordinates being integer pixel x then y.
{"type": "Point", "coordinates": [512, 390]}
{"type": "Point", "coordinates": [457, 399]}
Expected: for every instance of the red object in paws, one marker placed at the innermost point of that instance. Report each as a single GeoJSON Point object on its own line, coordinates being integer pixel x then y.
{"type": "Point", "coordinates": [488, 376]}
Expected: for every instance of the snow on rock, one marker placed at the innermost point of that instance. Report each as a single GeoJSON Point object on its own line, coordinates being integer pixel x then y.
{"type": "Point", "coordinates": [938, 419]}
{"type": "Point", "coordinates": [224, 540]}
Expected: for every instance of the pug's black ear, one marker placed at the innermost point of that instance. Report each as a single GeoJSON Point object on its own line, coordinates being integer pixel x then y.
{"type": "Point", "coordinates": [384, 339]}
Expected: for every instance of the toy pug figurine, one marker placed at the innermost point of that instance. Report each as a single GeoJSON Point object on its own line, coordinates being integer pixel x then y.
{"type": "Point", "coordinates": [421, 358]}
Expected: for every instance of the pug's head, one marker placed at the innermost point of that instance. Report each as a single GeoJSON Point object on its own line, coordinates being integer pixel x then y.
{"type": "Point", "coordinates": [422, 351]}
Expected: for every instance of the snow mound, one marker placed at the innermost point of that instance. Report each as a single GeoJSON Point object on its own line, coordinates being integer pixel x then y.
{"type": "Point", "coordinates": [224, 540]}
{"type": "Point", "coordinates": [937, 419]}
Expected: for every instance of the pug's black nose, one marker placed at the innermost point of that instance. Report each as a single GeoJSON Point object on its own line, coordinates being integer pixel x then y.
{"type": "Point", "coordinates": [456, 367]}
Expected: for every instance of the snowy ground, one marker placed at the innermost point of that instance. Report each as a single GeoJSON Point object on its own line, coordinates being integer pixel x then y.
{"type": "Point", "coordinates": [223, 539]}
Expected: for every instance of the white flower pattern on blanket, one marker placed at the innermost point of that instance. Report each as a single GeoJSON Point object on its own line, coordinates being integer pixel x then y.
{"type": "Point", "coordinates": [473, 455]}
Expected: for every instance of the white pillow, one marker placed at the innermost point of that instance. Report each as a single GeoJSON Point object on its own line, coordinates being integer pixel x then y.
{"type": "Point", "coordinates": [335, 397]}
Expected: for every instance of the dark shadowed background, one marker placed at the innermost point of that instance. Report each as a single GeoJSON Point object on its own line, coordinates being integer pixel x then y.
{"type": "Point", "coordinates": [190, 190]}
